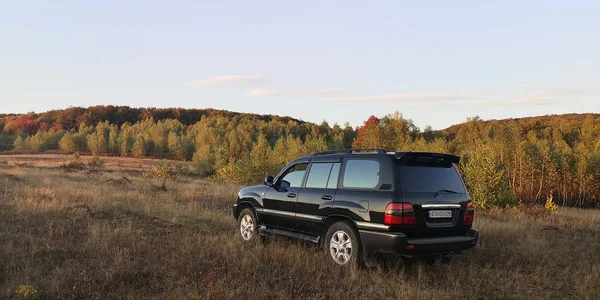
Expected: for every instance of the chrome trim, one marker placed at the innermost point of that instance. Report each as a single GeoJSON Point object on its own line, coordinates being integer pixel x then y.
{"type": "Point", "coordinates": [309, 217]}
{"type": "Point", "coordinates": [389, 234]}
{"type": "Point", "coordinates": [277, 212]}
{"type": "Point", "coordinates": [440, 206]}
{"type": "Point", "coordinates": [369, 225]}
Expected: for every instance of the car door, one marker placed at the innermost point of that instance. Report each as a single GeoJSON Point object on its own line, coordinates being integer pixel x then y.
{"type": "Point", "coordinates": [366, 186]}
{"type": "Point", "coordinates": [317, 195]}
{"type": "Point", "coordinates": [279, 201]}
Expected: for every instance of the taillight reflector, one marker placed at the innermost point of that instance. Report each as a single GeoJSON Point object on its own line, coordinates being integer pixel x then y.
{"type": "Point", "coordinates": [469, 214]}
{"type": "Point", "coordinates": [399, 214]}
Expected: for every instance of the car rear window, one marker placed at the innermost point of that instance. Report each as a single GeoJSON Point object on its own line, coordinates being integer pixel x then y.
{"type": "Point", "coordinates": [430, 179]}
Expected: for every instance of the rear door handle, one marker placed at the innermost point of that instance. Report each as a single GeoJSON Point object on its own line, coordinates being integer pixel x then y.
{"type": "Point", "coordinates": [326, 197]}
{"type": "Point", "coordinates": [291, 195]}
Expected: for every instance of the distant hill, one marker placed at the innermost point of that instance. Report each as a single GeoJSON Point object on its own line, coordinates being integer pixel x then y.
{"type": "Point", "coordinates": [71, 117]}
{"type": "Point", "coordinates": [527, 124]}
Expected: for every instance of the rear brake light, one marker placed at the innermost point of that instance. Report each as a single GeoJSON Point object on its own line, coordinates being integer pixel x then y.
{"type": "Point", "coordinates": [469, 214]}
{"type": "Point", "coordinates": [399, 214]}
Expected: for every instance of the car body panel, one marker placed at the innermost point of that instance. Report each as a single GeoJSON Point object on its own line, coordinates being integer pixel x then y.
{"type": "Point", "coordinates": [253, 195]}
{"type": "Point", "coordinates": [312, 205]}
{"type": "Point", "coordinates": [279, 207]}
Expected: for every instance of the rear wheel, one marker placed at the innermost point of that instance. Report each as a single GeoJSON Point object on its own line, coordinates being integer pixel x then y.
{"type": "Point", "coordinates": [342, 244]}
{"type": "Point", "coordinates": [248, 225]}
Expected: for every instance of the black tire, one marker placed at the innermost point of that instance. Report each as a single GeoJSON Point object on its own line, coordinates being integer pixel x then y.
{"type": "Point", "coordinates": [248, 225]}
{"type": "Point", "coordinates": [336, 244]}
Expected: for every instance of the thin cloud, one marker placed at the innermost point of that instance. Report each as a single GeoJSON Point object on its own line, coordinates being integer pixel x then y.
{"type": "Point", "coordinates": [560, 91]}
{"type": "Point", "coordinates": [525, 101]}
{"type": "Point", "coordinates": [530, 101]}
{"type": "Point", "coordinates": [324, 92]}
{"type": "Point", "coordinates": [399, 97]}
{"type": "Point", "coordinates": [524, 95]}
{"type": "Point", "coordinates": [230, 80]}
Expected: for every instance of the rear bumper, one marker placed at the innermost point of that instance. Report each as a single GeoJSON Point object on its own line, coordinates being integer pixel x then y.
{"type": "Point", "coordinates": [398, 243]}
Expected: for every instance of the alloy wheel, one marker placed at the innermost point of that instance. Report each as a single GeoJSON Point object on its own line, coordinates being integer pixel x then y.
{"type": "Point", "coordinates": [340, 247]}
{"type": "Point", "coordinates": [247, 227]}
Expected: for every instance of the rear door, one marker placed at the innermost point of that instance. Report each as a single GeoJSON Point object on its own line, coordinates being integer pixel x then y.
{"type": "Point", "coordinates": [438, 195]}
{"type": "Point", "coordinates": [366, 186]}
{"type": "Point", "coordinates": [317, 195]}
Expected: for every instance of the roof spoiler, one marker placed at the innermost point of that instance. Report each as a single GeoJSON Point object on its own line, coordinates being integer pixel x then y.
{"type": "Point", "coordinates": [438, 158]}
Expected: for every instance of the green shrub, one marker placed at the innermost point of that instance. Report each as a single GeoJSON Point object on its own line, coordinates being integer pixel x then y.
{"type": "Point", "coordinates": [204, 161]}
{"type": "Point", "coordinates": [550, 206]}
{"type": "Point", "coordinates": [72, 142]}
{"type": "Point", "coordinates": [96, 164]}
{"type": "Point", "coordinates": [75, 163]}
{"type": "Point", "coordinates": [163, 172]}
{"type": "Point", "coordinates": [242, 171]}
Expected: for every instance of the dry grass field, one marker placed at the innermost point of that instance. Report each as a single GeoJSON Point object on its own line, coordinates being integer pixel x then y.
{"type": "Point", "coordinates": [73, 235]}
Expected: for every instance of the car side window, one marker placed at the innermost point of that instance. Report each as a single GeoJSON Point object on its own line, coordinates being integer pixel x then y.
{"type": "Point", "coordinates": [294, 175]}
{"type": "Point", "coordinates": [333, 176]}
{"type": "Point", "coordinates": [361, 174]}
{"type": "Point", "coordinates": [319, 175]}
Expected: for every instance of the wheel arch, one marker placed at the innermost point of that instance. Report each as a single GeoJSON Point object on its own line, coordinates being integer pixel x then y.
{"type": "Point", "coordinates": [331, 219]}
{"type": "Point", "coordinates": [243, 204]}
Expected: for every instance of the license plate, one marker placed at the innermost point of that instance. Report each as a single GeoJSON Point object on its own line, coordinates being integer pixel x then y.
{"type": "Point", "coordinates": [439, 214]}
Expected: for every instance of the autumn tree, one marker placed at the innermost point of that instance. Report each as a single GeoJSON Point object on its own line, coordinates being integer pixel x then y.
{"type": "Point", "coordinates": [204, 160]}
{"type": "Point", "coordinates": [486, 179]}
{"type": "Point", "coordinates": [369, 134]}
{"type": "Point", "coordinates": [72, 142]}
{"type": "Point", "coordinates": [261, 156]}
{"type": "Point", "coordinates": [138, 149]}
{"type": "Point", "coordinates": [20, 143]}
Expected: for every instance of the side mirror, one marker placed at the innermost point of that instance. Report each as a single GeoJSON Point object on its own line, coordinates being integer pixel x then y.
{"type": "Point", "coordinates": [284, 184]}
{"type": "Point", "coordinates": [269, 180]}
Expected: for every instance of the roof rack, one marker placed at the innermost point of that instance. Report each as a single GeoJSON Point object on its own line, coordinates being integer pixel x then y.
{"type": "Point", "coordinates": [351, 151]}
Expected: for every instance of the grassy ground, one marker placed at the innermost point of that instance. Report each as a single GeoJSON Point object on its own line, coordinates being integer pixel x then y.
{"type": "Point", "coordinates": [80, 236]}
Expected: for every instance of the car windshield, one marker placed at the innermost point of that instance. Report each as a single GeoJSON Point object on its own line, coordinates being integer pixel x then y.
{"type": "Point", "coordinates": [430, 179]}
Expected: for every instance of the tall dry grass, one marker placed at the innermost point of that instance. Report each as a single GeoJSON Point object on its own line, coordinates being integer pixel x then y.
{"type": "Point", "coordinates": [74, 236]}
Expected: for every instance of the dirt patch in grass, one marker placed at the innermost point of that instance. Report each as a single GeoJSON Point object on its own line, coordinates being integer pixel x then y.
{"type": "Point", "coordinates": [119, 181]}
{"type": "Point", "coordinates": [11, 178]}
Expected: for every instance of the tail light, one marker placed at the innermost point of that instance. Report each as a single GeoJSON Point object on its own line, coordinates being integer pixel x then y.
{"type": "Point", "coordinates": [469, 214]}
{"type": "Point", "coordinates": [399, 214]}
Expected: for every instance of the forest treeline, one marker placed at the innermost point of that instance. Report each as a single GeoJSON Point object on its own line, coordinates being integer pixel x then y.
{"type": "Point", "coordinates": [504, 162]}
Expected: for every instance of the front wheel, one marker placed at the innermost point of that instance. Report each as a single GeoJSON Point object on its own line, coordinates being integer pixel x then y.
{"type": "Point", "coordinates": [248, 225]}
{"type": "Point", "coordinates": [342, 244]}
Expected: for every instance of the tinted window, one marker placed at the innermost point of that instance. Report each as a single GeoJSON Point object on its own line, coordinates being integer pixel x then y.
{"type": "Point", "coordinates": [430, 179]}
{"type": "Point", "coordinates": [318, 175]}
{"type": "Point", "coordinates": [333, 177]}
{"type": "Point", "coordinates": [361, 174]}
{"type": "Point", "coordinates": [295, 174]}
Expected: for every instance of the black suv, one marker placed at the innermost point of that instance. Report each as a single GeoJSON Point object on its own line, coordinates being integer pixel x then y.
{"type": "Point", "coordinates": [360, 202]}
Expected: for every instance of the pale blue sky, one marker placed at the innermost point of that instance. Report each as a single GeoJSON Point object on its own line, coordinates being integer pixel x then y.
{"type": "Point", "coordinates": [436, 62]}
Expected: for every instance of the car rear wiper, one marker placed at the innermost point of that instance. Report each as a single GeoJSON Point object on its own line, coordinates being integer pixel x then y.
{"type": "Point", "coordinates": [444, 191]}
